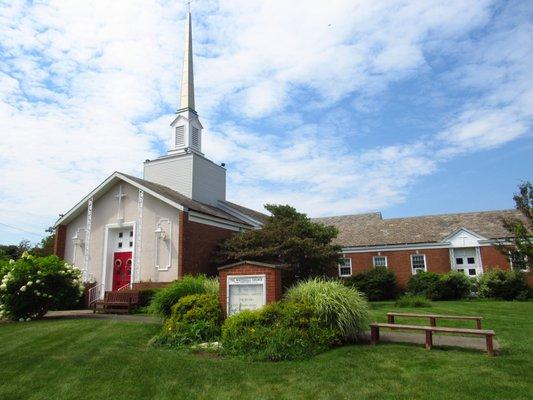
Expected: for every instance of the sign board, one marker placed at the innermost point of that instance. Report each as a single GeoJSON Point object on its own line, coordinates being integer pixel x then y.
{"type": "Point", "coordinates": [246, 292]}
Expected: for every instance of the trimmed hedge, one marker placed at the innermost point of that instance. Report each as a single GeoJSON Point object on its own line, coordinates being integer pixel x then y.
{"type": "Point", "coordinates": [378, 283]}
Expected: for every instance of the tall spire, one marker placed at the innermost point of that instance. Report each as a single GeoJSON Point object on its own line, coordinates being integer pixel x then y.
{"type": "Point", "coordinates": [187, 79]}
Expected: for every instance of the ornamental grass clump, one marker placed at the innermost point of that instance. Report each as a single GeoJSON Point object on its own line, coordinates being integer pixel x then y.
{"type": "Point", "coordinates": [32, 285]}
{"type": "Point", "coordinates": [339, 306]}
{"type": "Point", "coordinates": [163, 300]}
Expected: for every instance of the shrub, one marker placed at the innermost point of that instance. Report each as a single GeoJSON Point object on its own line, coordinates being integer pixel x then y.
{"type": "Point", "coordinates": [32, 285]}
{"type": "Point", "coordinates": [504, 285]}
{"type": "Point", "coordinates": [164, 299]}
{"type": "Point", "coordinates": [415, 301]}
{"type": "Point", "coordinates": [279, 331]}
{"type": "Point", "coordinates": [146, 296]}
{"type": "Point", "coordinates": [454, 286]}
{"type": "Point", "coordinates": [195, 319]}
{"type": "Point", "coordinates": [450, 286]}
{"type": "Point", "coordinates": [341, 307]}
{"type": "Point", "coordinates": [425, 284]}
{"type": "Point", "coordinates": [377, 283]}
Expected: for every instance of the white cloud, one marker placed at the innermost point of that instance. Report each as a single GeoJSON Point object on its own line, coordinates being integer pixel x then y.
{"type": "Point", "coordinates": [87, 88]}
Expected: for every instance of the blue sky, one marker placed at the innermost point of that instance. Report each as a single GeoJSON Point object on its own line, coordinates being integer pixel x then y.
{"type": "Point", "coordinates": [403, 107]}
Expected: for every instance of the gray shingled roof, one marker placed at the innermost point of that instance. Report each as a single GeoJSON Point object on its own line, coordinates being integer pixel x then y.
{"type": "Point", "coordinates": [184, 200]}
{"type": "Point", "coordinates": [372, 230]}
{"type": "Point", "coordinates": [258, 216]}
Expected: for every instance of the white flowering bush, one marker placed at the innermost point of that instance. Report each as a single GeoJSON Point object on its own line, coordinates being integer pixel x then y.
{"type": "Point", "coordinates": [30, 286]}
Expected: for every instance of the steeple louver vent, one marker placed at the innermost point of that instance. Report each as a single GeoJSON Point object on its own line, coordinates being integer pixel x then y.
{"type": "Point", "coordinates": [195, 137]}
{"type": "Point", "coordinates": [180, 136]}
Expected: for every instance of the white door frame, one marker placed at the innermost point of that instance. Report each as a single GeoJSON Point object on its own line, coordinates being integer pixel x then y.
{"type": "Point", "coordinates": [108, 227]}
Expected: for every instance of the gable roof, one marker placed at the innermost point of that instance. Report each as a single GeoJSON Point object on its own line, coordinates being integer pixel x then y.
{"type": "Point", "coordinates": [161, 192]}
{"type": "Point", "coordinates": [372, 230]}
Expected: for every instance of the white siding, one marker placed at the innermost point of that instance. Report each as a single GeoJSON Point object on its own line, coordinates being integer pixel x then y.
{"type": "Point", "coordinates": [174, 172]}
{"type": "Point", "coordinates": [209, 181]}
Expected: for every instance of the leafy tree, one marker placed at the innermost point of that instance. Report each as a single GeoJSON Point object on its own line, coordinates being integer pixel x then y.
{"type": "Point", "coordinates": [288, 237]}
{"type": "Point", "coordinates": [46, 247]}
{"type": "Point", "coordinates": [13, 251]}
{"type": "Point", "coordinates": [521, 230]}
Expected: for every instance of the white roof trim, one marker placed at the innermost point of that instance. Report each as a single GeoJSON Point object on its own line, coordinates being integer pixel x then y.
{"type": "Point", "coordinates": [113, 177]}
{"type": "Point", "coordinates": [236, 213]}
{"type": "Point", "coordinates": [195, 216]}
{"type": "Point", "coordinates": [476, 235]}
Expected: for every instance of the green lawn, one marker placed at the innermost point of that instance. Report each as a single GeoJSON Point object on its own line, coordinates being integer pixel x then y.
{"type": "Point", "coordinates": [95, 359]}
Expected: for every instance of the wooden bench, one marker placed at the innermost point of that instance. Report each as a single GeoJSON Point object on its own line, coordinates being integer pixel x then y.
{"type": "Point", "coordinates": [117, 302]}
{"type": "Point", "coordinates": [433, 318]}
{"type": "Point", "coordinates": [489, 334]}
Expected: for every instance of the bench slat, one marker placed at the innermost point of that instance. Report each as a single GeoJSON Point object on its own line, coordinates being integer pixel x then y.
{"type": "Point", "coordinates": [466, 317]}
{"type": "Point", "coordinates": [436, 329]}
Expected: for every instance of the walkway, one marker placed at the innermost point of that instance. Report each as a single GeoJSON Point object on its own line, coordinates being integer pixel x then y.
{"type": "Point", "coordinates": [71, 314]}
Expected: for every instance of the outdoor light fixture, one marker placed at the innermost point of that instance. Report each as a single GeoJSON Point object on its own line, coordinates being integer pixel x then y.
{"type": "Point", "coordinates": [160, 233]}
{"type": "Point", "coordinates": [77, 240]}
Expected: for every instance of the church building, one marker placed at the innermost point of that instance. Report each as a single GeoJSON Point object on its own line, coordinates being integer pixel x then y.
{"type": "Point", "coordinates": [154, 230]}
{"type": "Point", "coordinates": [130, 232]}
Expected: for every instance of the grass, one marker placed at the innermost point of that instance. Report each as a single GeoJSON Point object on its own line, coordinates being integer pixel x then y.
{"type": "Point", "coordinates": [98, 359]}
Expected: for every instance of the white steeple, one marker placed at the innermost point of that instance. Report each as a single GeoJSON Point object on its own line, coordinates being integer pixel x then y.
{"type": "Point", "coordinates": [185, 169]}
{"type": "Point", "coordinates": [186, 128]}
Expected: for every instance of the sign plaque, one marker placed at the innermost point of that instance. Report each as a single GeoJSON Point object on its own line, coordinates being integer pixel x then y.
{"type": "Point", "coordinates": [245, 292]}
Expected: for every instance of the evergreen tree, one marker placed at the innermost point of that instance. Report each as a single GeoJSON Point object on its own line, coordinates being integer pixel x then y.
{"type": "Point", "coordinates": [288, 237]}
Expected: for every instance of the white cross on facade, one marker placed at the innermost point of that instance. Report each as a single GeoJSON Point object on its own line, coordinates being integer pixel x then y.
{"type": "Point", "coordinates": [119, 197]}
{"type": "Point", "coordinates": [463, 236]}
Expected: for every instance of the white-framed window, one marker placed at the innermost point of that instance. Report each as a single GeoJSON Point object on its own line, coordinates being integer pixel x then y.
{"type": "Point", "coordinates": [518, 261]}
{"type": "Point", "coordinates": [345, 267]}
{"type": "Point", "coordinates": [380, 261]}
{"type": "Point", "coordinates": [418, 263]}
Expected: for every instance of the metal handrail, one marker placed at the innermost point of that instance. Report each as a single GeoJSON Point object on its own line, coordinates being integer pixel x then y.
{"type": "Point", "coordinates": [127, 285]}
{"type": "Point", "coordinates": [95, 293]}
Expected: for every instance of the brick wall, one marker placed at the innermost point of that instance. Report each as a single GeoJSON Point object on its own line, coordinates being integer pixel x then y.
{"type": "Point", "coordinates": [59, 241]}
{"type": "Point", "coordinates": [437, 260]}
{"type": "Point", "coordinates": [491, 258]}
{"type": "Point", "coordinates": [272, 276]}
{"type": "Point", "coordinates": [197, 243]}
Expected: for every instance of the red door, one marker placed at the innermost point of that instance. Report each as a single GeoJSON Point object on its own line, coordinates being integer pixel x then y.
{"type": "Point", "coordinates": [121, 269]}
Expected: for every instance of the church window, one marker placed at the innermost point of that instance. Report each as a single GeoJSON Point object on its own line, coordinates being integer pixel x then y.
{"type": "Point", "coordinates": [120, 234]}
{"type": "Point", "coordinates": [131, 244]}
{"type": "Point", "coordinates": [119, 245]}
{"type": "Point", "coordinates": [459, 260]}
{"type": "Point", "coordinates": [131, 233]}
{"type": "Point", "coordinates": [418, 262]}
{"type": "Point", "coordinates": [380, 261]}
{"type": "Point", "coordinates": [345, 267]}
{"type": "Point", "coordinates": [195, 137]}
{"type": "Point", "coordinates": [471, 260]}
{"type": "Point", "coordinates": [180, 136]}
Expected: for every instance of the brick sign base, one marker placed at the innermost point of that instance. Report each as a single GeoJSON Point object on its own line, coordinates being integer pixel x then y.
{"type": "Point", "coordinates": [247, 270]}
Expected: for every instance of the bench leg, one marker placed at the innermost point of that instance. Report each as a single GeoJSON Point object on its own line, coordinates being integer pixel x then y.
{"type": "Point", "coordinates": [490, 347]}
{"type": "Point", "coordinates": [429, 340]}
{"type": "Point", "coordinates": [478, 323]}
{"type": "Point", "coordinates": [374, 335]}
{"type": "Point", "coordinates": [390, 319]}
{"type": "Point", "coordinates": [432, 321]}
